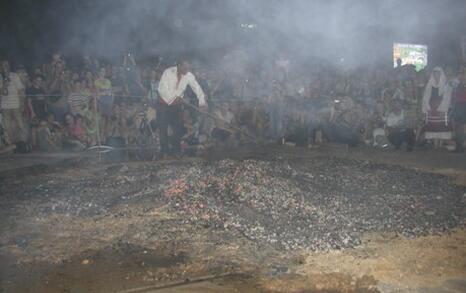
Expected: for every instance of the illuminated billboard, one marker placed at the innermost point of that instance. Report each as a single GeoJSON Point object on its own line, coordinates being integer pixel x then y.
{"type": "Point", "coordinates": [410, 54]}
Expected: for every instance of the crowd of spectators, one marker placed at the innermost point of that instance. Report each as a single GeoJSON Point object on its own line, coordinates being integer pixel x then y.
{"type": "Point", "coordinates": [61, 106]}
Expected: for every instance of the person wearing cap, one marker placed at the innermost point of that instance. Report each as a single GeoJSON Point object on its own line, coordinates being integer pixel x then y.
{"type": "Point", "coordinates": [172, 87]}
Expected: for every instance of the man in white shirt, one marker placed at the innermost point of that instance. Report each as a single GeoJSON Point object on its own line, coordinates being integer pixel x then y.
{"type": "Point", "coordinates": [172, 86]}
{"type": "Point", "coordinates": [11, 92]}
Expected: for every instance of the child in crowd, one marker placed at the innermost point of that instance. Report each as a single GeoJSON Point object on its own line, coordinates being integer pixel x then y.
{"type": "Point", "coordinates": [45, 139]}
{"type": "Point", "coordinates": [74, 134]}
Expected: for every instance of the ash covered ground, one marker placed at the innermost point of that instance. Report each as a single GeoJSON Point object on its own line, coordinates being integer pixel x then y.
{"type": "Point", "coordinates": [320, 203]}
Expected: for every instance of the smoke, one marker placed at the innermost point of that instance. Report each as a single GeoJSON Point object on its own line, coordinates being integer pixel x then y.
{"type": "Point", "coordinates": [352, 32]}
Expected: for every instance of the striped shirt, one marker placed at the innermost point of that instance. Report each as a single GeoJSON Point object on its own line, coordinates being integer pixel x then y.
{"type": "Point", "coordinates": [77, 102]}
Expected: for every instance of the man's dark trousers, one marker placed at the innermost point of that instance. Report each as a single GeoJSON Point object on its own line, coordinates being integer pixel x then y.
{"type": "Point", "coordinates": [170, 115]}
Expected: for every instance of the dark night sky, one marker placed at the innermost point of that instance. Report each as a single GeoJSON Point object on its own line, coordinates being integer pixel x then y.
{"type": "Point", "coordinates": [31, 29]}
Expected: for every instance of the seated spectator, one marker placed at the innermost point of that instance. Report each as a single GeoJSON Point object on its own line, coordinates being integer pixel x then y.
{"type": "Point", "coordinates": [88, 86]}
{"type": "Point", "coordinates": [222, 132]}
{"type": "Point", "coordinates": [36, 105]}
{"type": "Point", "coordinates": [260, 120]}
{"type": "Point", "coordinates": [117, 132]}
{"type": "Point", "coordinates": [376, 126]}
{"type": "Point", "coordinates": [379, 137]}
{"type": "Point", "coordinates": [74, 134]}
{"type": "Point", "coordinates": [397, 127]}
{"type": "Point", "coordinates": [45, 138]}
{"type": "Point", "coordinates": [36, 99]}
{"type": "Point", "coordinates": [56, 129]}
{"type": "Point", "coordinates": [152, 85]}
{"type": "Point", "coordinates": [23, 76]}
{"type": "Point", "coordinates": [190, 143]}
{"type": "Point", "coordinates": [80, 130]}
{"type": "Point", "coordinates": [118, 126]}
{"type": "Point", "coordinates": [53, 124]}
{"type": "Point", "coordinates": [343, 124]}
{"type": "Point", "coordinates": [296, 132]}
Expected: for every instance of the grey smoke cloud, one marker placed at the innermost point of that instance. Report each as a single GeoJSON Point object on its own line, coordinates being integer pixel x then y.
{"type": "Point", "coordinates": [359, 31]}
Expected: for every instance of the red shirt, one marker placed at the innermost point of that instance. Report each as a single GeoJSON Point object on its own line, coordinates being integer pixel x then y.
{"type": "Point", "coordinates": [76, 131]}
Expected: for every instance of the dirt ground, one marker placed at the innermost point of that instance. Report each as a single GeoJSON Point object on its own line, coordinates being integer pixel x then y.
{"type": "Point", "coordinates": [142, 246]}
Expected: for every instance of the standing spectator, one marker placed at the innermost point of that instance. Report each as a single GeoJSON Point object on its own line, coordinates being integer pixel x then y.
{"type": "Point", "coordinates": [77, 101]}
{"type": "Point", "coordinates": [36, 99]}
{"type": "Point", "coordinates": [133, 78]}
{"type": "Point", "coordinates": [103, 87]}
{"type": "Point", "coordinates": [37, 106]}
{"type": "Point", "coordinates": [58, 87]}
{"type": "Point", "coordinates": [153, 85]}
{"type": "Point", "coordinates": [117, 128]}
{"type": "Point", "coordinates": [459, 113]}
{"type": "Point", "coordinates": [23, 76]}
{"type": "Point", "coordinates": [89, 81]}
{"type": "Point", "coordinates": [12, 90]}
{"type": "Point", "coordinates": [411, 106]}
{"type": "Point", "coordinates": [436, 103]}
{"type": "Point", "coordinates": [56, 73]}
{"type": "Point", "coordinates": [116, 76]}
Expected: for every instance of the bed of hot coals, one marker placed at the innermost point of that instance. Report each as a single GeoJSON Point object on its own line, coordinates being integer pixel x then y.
{"type": "Point", "coordinates": [318, 204]}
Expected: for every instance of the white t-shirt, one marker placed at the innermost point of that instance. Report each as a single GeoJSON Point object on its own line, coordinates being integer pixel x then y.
{"type": "Point", "coordinates": [12, 101]}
